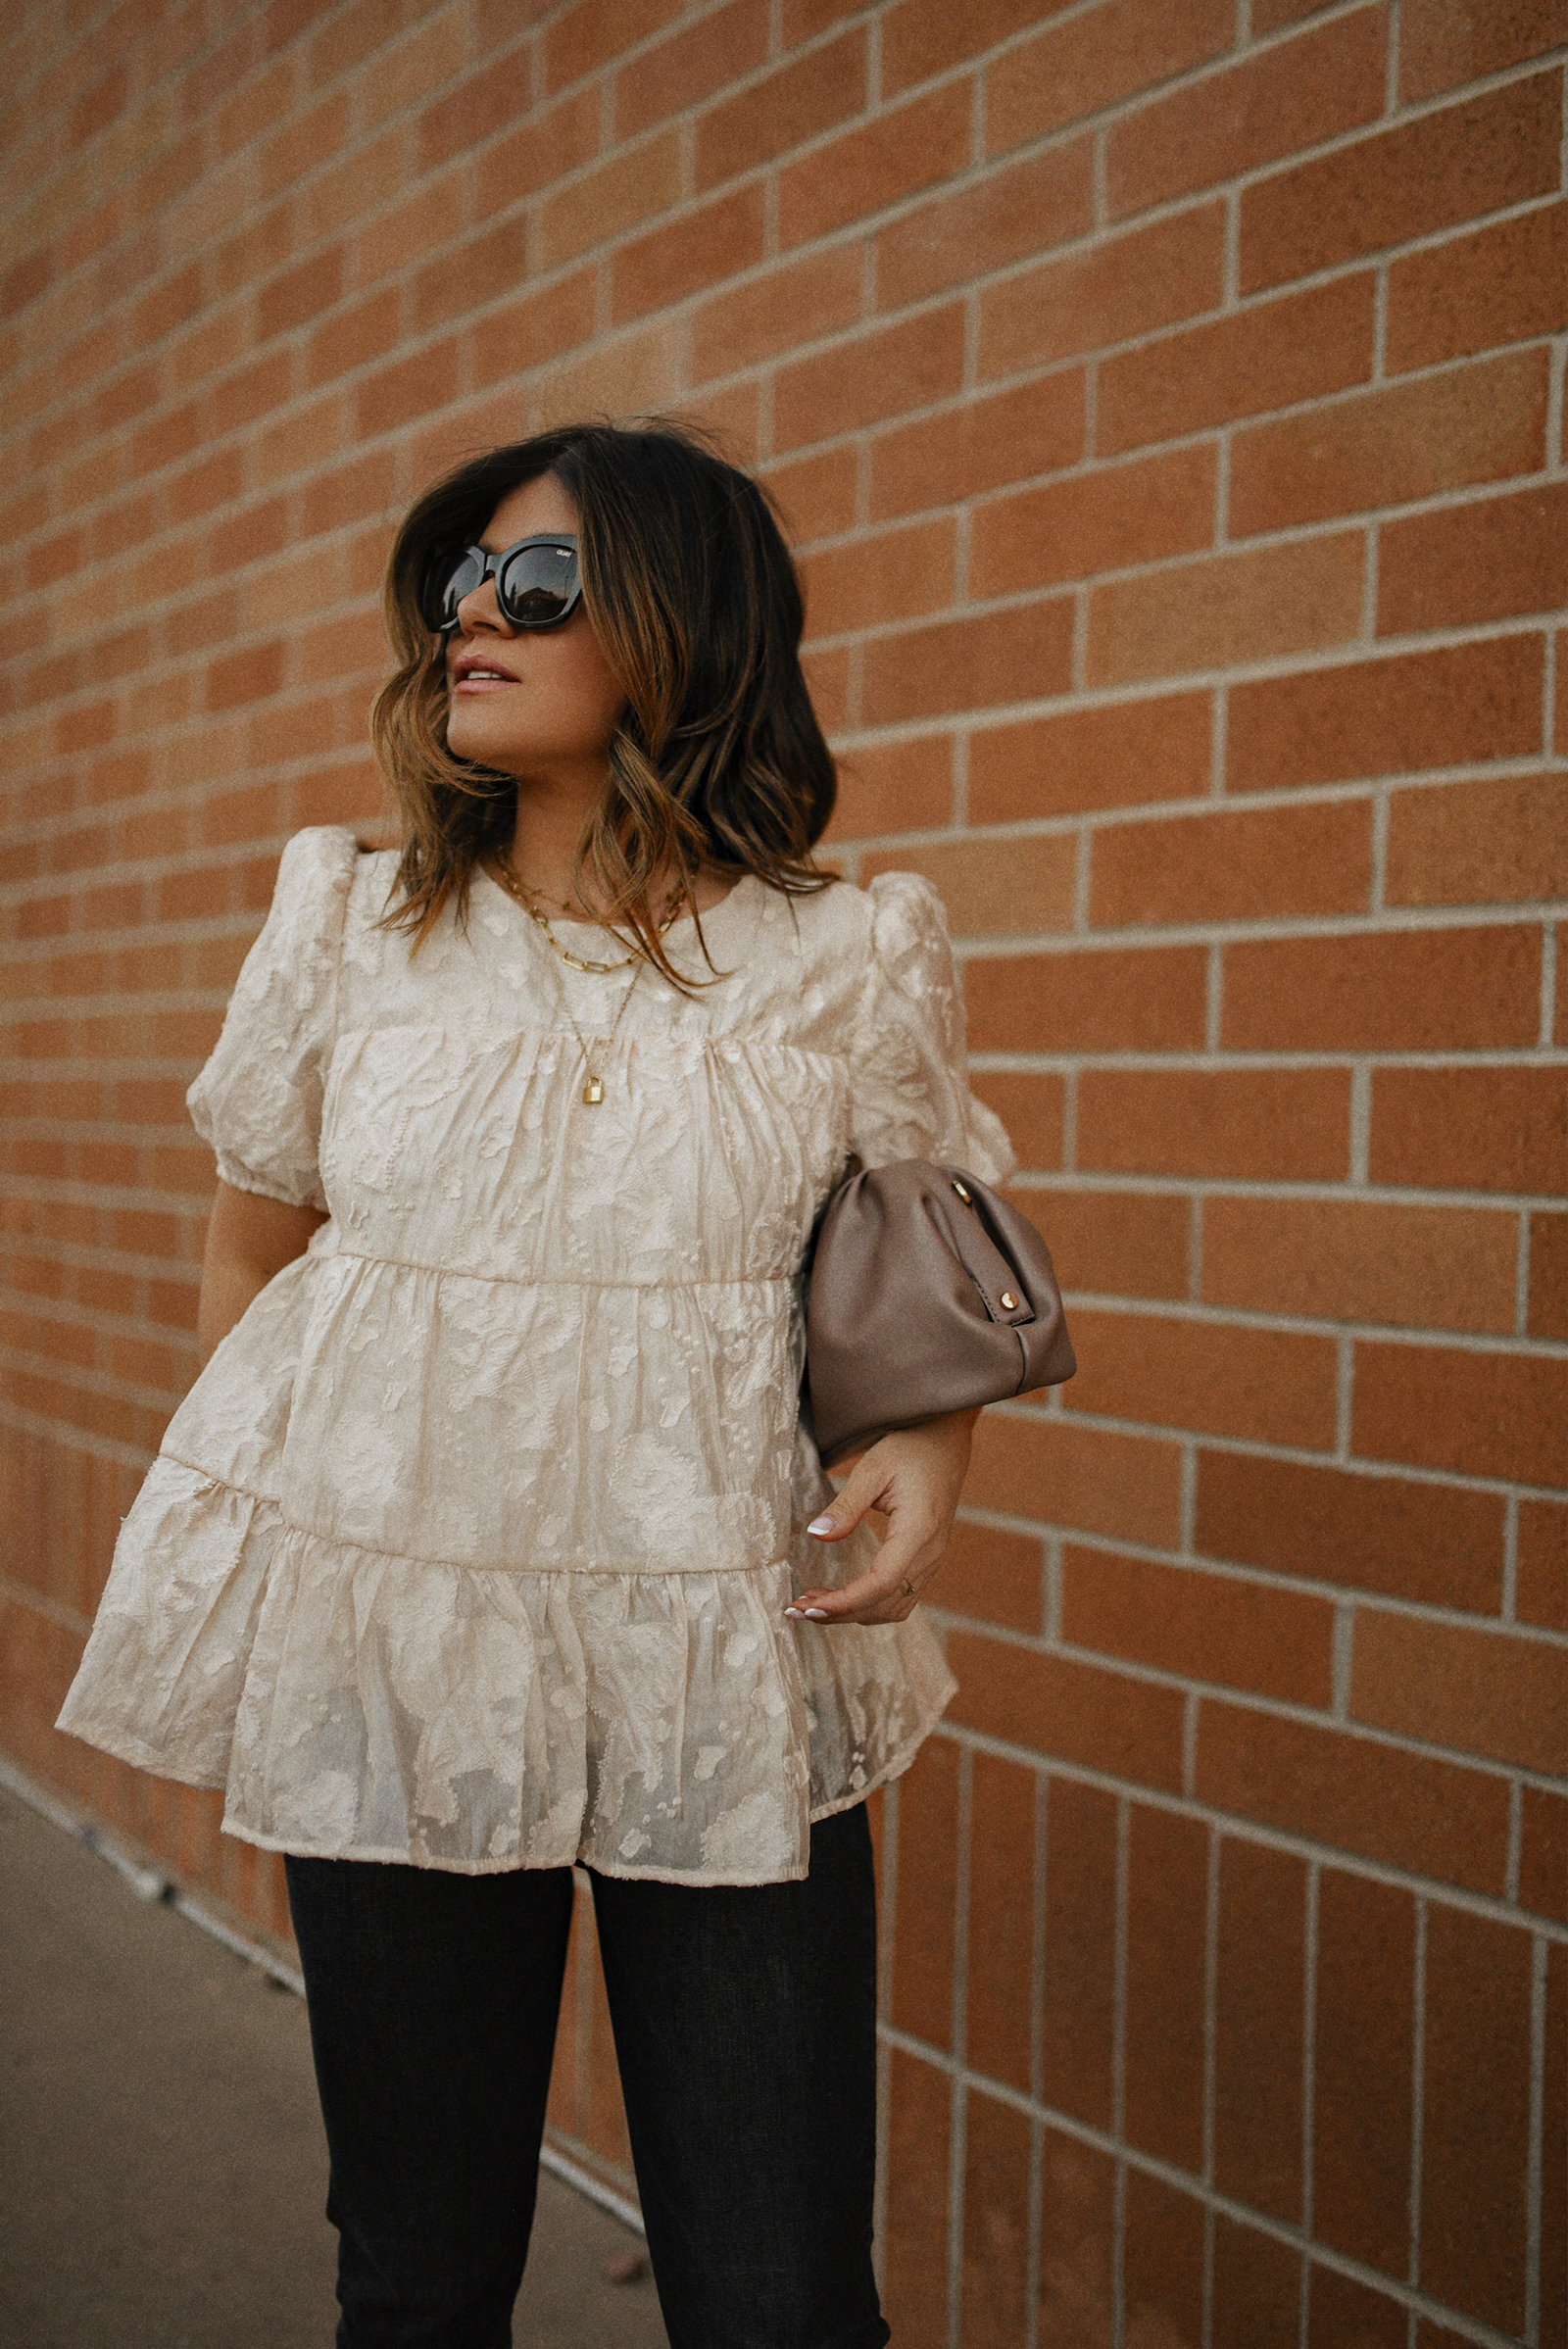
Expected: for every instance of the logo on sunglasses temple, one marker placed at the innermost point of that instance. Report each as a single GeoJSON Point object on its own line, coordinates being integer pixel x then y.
{"type": "Point", "coordinates": [537, 582]}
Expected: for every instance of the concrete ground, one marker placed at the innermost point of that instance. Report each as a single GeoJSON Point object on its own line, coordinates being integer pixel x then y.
{"type": "Point", "coordinates": [161, 2166]}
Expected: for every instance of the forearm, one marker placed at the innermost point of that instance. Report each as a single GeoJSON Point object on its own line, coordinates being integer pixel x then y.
{"type": "Point", "coordinates": [249, 1240]}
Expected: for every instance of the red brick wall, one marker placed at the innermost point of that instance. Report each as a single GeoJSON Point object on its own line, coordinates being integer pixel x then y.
{"type": "Point", "coordinates": [1164, 395]}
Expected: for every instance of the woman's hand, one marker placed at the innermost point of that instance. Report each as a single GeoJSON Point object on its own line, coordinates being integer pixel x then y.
{"type": "Point", "coordinates": [913, 1479]}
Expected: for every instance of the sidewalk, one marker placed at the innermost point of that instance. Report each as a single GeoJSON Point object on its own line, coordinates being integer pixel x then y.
{"type": "Point", "coordinates": [161, 2166]}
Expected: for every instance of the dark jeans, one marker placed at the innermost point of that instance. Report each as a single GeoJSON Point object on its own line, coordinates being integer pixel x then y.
{"type": "Point", "coordinates": [744, 2022]}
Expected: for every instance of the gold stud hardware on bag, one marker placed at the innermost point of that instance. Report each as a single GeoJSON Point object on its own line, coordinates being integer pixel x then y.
{"type": "Point", "coordinates": [1009, 1303]}
{"type": "Point", "coordinates": [964, 1194]}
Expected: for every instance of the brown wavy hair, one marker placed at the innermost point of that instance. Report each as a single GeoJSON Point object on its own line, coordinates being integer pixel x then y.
{"type": "Point", "coordinates": [718, 759]}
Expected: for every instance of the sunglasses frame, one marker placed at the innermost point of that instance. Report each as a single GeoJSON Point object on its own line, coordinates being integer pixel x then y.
{"type": "Point", "coordinates": [493, 566]}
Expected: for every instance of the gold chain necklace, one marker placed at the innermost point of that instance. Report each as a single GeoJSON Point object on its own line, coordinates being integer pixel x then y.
{"type": "Point", "coordinates": [523, 896]}
{"type": "Point", "coordinates": [593, 1092]}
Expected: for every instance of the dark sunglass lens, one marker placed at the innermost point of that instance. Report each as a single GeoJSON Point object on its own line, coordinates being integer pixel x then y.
{"type": "Point", "coordinates": [453, 579]}
{"type": "Point", "coordinates": [535, 585]}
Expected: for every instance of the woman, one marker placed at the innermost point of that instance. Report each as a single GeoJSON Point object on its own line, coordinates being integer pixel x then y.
{"type": "Point", "coordinates": [489, 1541]}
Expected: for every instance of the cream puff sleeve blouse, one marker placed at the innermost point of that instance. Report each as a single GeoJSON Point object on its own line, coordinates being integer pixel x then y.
{"type": "Point", "coordinates": [470, 1544]}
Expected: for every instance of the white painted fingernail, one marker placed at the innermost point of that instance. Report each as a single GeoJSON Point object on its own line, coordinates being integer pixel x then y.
{"type": "Point", "coordinates": [816, 1614]}
{"type": "Point", "coordinates": [795, 1614]}
{"type": "Point", "coordinates": [823, 1525]}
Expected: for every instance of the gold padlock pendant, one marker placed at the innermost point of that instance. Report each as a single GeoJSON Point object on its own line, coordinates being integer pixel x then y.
{"type": "Point", "coordinates": [593, 1093]}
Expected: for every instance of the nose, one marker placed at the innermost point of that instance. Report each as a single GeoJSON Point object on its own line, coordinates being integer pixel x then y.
{"type": "Point", "coordinates": [480, 609]}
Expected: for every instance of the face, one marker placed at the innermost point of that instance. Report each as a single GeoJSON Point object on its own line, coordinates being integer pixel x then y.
{"type": "Point", "coordinates": [538, 704]}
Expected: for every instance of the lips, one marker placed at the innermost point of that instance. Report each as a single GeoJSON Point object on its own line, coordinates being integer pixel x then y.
{"type": "Point", "coordinates": [472, 674]}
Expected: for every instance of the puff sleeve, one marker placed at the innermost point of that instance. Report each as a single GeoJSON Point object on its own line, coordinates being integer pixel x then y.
{"type": "Point", "coordinates": [911, 1096]}
{"type": "Point", "coordinates": [258, 1098]}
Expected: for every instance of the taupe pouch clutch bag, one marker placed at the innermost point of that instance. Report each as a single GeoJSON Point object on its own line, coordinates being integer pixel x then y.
{"type": "Point", "coordinates": [926, 1293]}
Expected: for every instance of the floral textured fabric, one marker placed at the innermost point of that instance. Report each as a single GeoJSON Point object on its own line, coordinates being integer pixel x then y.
{"type": "Point", "coordinates": [470, 1544]}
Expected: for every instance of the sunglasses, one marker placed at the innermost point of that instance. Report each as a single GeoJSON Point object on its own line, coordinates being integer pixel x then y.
{"type": "Point", "coordinates": [537, 583]}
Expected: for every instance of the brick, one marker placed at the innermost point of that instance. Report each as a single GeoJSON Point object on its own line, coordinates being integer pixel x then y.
{"type": "Point", "coordinates": [1227, 608]}
{"type": "Point", "coordinates": [757, 321]}
{"type": "Point", "coordinates": [1269, 355]}
{"type": "Point", "coordinates": [1544, 1853]}
{"type": "Point", "coordinates": [1548, 1315]}
{"type": "Point", "coordinates": [1073, 2310]}
{"type": "Point", "coordinates": [1503, 284]}
{"type": "Point", "coordinates": [1126, 286]}
{"type": "Point", "coordinates": [1554, 2155]}
{"type": "Point", "coordinates": [689, 255]}
{"type": "Point", "coordinates": [881, 373]}
{"type": "Point", "coordinates": [1291, 96]}
{"type": "Point", "coordinates": [1110, 1243]}
{"type": "Point", "coordinates": [1076, 1712]}
{"type": "Point", "coordinates": [249, 676]}
{"type": "Point", "coordinates": [1072, 70]}
{"type": "Point", "coordinates": [539, 327]}
{"type": "Point", "coordinates": [1343, 2312]}
{"type": "Point", "coordinates": [1478, 423]}
{"type": "Point", "coordinates": [1012, 214]}
{"type": "Point", "coordinates": [689, 65]}
{"type": "Point", "coordinates": [1462, 704]}
{"type": "Point", "coordinates": [629, 188]}
{"type": "Point", "coordinates": [1477, 842]}
{"type": "Point", "coordinates": [916, 2229]}
{"type": "Point", "coordinates": [1486, 561]}
{"type": "Point", "coordinates": [300, 293]}
{"type": "Point", "coordinates": [1203, 1627]}
{"type": "Point", "coordinates": [923, 37]}
{"type": "Point", "coordinates": [1413, 1267]}
{"type": "Point", "coordinates": [1268, 1386]}
{"type": "Point", "coordinates": [984, 445]}
{"type": "Point", "coordinates": [542, 150]}
{"type": "Point", "coordinates": [1389, 992]}
{"type": "Point", "coordinates": [1001, 1927]}
{"type": "Point", "coordinates": [992, 887]}
{"type": "Point", "coordinates": [1491, 1414]}
{"type": "Point", "coordinates": [1148, 1000]}
{"type": "Point", "coordinates": [886, 787]}
{"type": "Point", "coordinates": [1103, 521]}
{"type": "Point", "coordinates": [1542, 1594]}
{"type": "Point", "coordinates": [996, 2223]}
{"type": "Point", "coordinates": [796, 102]}
{"type": "Point", "coordinates": [595, 32]}
{"type": "Point", "coordinates": [1444, 43]}
{"type": "Point", "coordinates": [923, 1950]}
{"type": "Point", "coordinates": [893, 575]}
{"type": "Point", "coordinates": [897, 152]}
{"type": "Point", "coordinates": [1307, 860]}
{"type": "Point", "coordinates": [1478, 1692]}
{"type": "Point", "coordinates": [1412, 1811]}
{"type": "Point", "coordinates": [472, 111]}
{"type": "Point", "coordinates": [1476, 2116]}
{"type": "Point", "coordinates": [1256, 2289]}
{"type": "Point", "coordinates": [1445, 167]}
{"type": "Point", "coordinates": [1019, 654]}
{"type": "Point", "coordinates": [1077, 2011]}
{"type": "Point", "coordinates": [1259, 2027]}
{"type": "Point", "coordinates": [1365, 2041]}
{"type": "Point", "coordinates": [1162, 2262]}
{"type": "Point", "coordinates": [992, 1574]}
{"type": "Point", "coordinates": [481, 269]}
{"type": "Point", "coordinates": [1168, 1902]}
{"type": "Point", "coordinates": [1129, 754]}
{"type": "Point", "coordinates": [406, 390]}
{"type": "Point", "coordinates": [815, 496]}
{"type": "Point", "coordinates": [1469, 1129]}
{"type": "Point", "coordinates": [1032, 1109]}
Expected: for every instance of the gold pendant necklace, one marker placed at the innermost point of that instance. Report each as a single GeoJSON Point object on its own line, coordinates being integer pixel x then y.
{"type": "Point", "coordinates": [593, 1092]}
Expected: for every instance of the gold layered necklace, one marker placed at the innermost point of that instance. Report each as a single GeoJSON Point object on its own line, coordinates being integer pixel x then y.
{"type": "Point", "coordinates": [593, 1090]}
